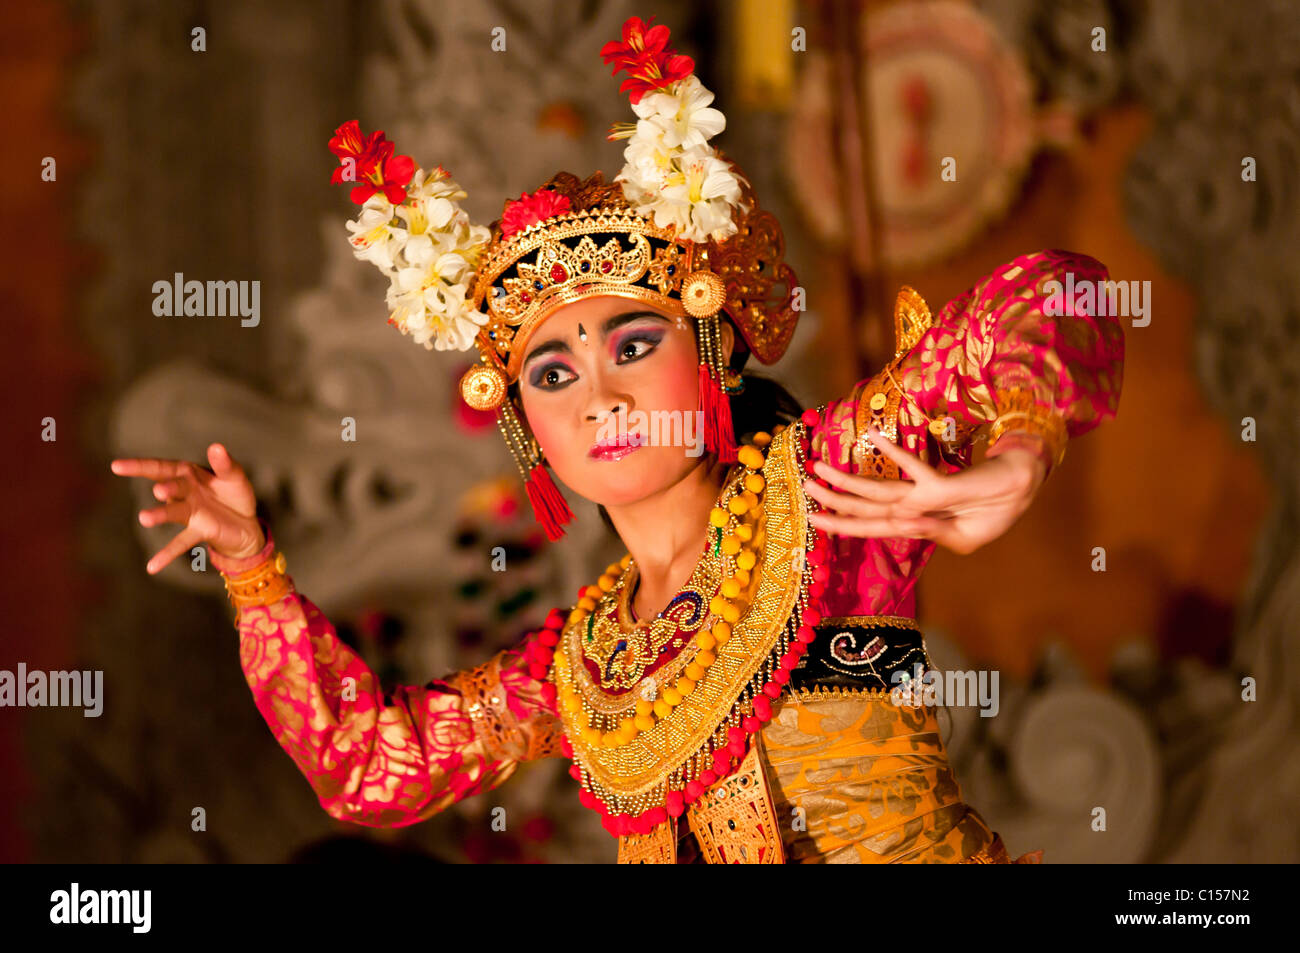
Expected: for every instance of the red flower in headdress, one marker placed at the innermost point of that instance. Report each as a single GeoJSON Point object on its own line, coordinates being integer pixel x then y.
{"type": "Point", "coordinates": [530, 209]}
{"type": "Point", "coordinates": [650, 63]}
{"type": "Point", "coordinates": [349, 140]}
{"type": "Point", "coordinates": [374, 166]}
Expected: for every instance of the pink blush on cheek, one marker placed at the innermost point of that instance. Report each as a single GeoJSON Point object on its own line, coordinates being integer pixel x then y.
{"type": "Point", "coordinates": [677, 385]}
{"type": "Point", "coordinates": [673, 383]}
{"type": "Point", "coordinates": [561, 444]}
{"type": "Point", "coordinates": [681, 385]}
{"type": "Point", "coordinates": [543, 430]}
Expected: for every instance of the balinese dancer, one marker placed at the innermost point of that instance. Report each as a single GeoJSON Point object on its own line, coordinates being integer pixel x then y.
{"type": "Point", "coordinates": [741, 687]}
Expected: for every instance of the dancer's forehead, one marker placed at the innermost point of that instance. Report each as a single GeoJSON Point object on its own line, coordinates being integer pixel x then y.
{"type": "Point", "coordinates": [591, 319]}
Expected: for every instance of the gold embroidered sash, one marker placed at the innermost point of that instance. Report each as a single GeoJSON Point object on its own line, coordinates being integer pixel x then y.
{"type": "Point", "coordinates": [734, 822]}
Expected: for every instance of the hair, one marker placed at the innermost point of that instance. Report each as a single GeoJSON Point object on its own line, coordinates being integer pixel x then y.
{"type": "Point", "coordinates": [761, 406]}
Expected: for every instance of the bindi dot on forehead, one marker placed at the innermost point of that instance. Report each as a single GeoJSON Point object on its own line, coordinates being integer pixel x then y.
{"type": "Point", "coordinates": [582, 332]}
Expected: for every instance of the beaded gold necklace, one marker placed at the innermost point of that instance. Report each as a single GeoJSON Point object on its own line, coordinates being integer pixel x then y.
{"type": "Point", "coordinates": [642, 754]}
{"type": "Point", "coordinates": [613, 641]}
{"type": "Point", "coordinates": [625, 651]}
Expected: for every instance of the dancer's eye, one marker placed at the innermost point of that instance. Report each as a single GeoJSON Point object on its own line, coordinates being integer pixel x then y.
{"type": "Point", "coordinates": [636, 346]}
{"type": "Point", "coordinates": [552, 377]}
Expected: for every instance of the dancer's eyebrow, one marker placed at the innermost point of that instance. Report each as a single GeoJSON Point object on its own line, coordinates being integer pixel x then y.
{"type": "Point", "coordinates": [611, 324]}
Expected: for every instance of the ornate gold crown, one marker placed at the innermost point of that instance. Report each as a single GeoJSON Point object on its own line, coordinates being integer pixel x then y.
{"type": "Point", "coordinates": [602, 246]}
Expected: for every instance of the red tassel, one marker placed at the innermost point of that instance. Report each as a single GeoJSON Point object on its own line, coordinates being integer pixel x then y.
{"type": "Point", "coordinates": [548, 505]}
{"type": "Point", "coordinates": [728, 452]}
{"type": "Point", "coordinates": [707, 408]}
{"type": "Point", "coordinates": [719, 431]}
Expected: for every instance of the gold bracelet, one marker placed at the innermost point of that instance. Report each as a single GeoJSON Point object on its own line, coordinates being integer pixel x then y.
{"type": "Point", "coordinates": [1020, 414]}
{"type": "Point", "coordinates": [1033, 426]}
{"type": "Point", "coordinates": [263, 585]}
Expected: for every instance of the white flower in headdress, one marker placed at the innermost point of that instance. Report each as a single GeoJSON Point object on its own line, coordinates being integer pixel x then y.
{"type": "Point", "coordinates": [698, 199]}
{"type": "Point", "coordinates": [374, 237]}
{"type": "Point", "coordinates": [670, 172]}
{"type": "Point", "coordinates": [429, 304]}
{"type": "Point", "coordinates": [430, 214]}
{"type": "Point", "coordinates": [649, 163]}
{"type": "Point", "coordinates": [426, 244]}
{"type": "Point", "coordinates": [436, 183]}
{"type": "Point", "coordinates": [427, 297]}
{"type": "Point", "coordinates": [682, 115]}
{"type": "Point", "coordinates": [433, 201]}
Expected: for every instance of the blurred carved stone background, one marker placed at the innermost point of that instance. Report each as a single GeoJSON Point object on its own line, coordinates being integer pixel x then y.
{"type": "Point", "coordinates": [1120, 690]}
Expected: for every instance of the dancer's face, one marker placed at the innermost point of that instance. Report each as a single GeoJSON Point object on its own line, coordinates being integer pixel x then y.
{"type": "Point", "coordinates": [605, 367]}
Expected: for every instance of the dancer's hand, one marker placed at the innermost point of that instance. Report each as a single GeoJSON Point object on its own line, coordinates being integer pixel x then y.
{"type": "Point", "coordinates": [961, 511]}
{"type": "Point", "coordinates": [216, 506]}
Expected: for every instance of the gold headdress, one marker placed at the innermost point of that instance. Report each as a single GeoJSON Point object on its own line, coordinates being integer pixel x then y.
{"type": "Point", "coordinates": [679, 228]}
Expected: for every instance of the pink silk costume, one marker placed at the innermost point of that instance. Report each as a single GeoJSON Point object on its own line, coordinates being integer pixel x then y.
{"type": "Point", "coordinates": [870, 778]}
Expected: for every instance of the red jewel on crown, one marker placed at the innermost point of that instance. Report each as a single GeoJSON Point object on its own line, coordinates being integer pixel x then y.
{"type": "Point", "coordinates": [558, 274]}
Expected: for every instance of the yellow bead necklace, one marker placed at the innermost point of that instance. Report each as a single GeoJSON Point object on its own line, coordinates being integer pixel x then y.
{"type": "Point", "coordinates": [734, 525]}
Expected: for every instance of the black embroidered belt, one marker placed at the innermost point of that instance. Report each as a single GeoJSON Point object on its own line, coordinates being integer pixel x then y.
{"type": "Point", "coordinates": [873, 654]}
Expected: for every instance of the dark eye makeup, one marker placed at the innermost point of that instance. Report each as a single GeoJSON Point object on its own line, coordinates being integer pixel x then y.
{"type": "Point", "coordinates": [630, 346]}
{"type": "Point", "coordinates": [626, 347]}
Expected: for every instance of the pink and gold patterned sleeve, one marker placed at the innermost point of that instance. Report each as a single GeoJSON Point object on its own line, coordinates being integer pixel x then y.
{"type": "Point", "coordinates": [372, 758]}
{"type": "Point", "coordinates": [1013, 355]}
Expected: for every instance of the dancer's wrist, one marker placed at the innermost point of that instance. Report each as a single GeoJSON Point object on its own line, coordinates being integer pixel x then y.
{"type": "Point", "coordinates": [230, 565]}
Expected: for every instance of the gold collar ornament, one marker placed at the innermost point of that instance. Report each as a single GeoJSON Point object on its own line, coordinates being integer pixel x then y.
{"type": "Point", "coordinates": [643, 755]}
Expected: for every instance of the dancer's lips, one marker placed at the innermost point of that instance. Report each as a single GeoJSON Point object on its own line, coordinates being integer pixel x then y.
{"type": "Point", "coordinates": [616, 448]}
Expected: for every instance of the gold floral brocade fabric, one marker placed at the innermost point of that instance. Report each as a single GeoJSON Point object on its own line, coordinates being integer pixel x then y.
{"type": "Point", "coordinates": [857, 779]}
{"type": "Point", "coordinates": [383, 759]}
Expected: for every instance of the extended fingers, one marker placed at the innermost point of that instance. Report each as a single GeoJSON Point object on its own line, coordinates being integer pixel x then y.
{"type": "Point", "coordinates": [846, 503]}
{"type": "Point", "coordinates": [866, 487]}
{"type": "Point", "coordinates": [170, 490]}
{"type": "Point", "coordinates": [917, 469]}
{"type": "Point", "coordinates": [223, 465]}
{"type": "Point", "coordinates": [150, 467]}
{"type": "Point", "coordinates": [182, 542]}
{"type": "Point", "coordinates": [177, 512]}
